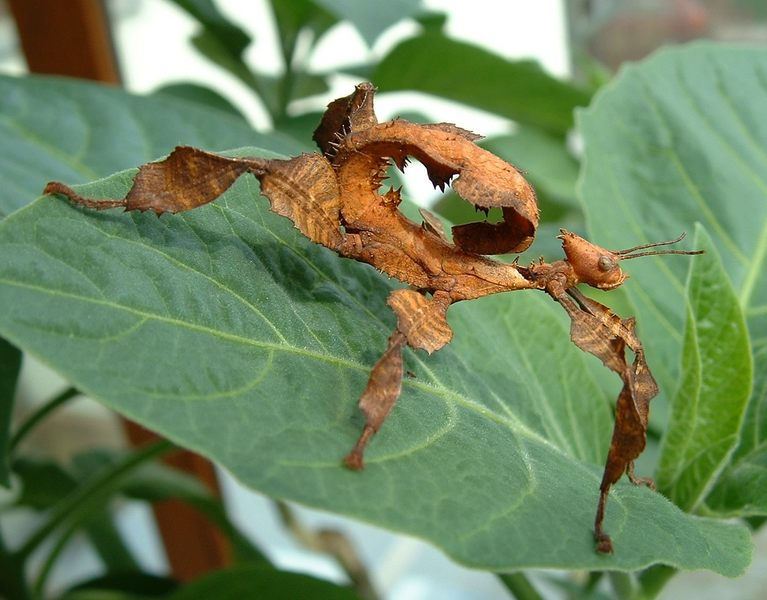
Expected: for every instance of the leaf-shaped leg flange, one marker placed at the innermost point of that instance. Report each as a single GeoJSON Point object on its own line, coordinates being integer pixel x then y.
{"type": "Point", "coordinates": [421, 323]}
{"type": "Point", "coordinates": [597, 330]}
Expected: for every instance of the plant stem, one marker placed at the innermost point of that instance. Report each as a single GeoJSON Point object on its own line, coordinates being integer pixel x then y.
{"type": "Point", "coordinates": [623, 584]}
{"type": "Point", "coordinates": [333, 543]}
{"type": "Point", "coordinates": [58, 547]}
{"type": "Point", "coordinates": [40, 414]}
{"type": "Point", "coordinates": [652, 581]}
{"type": "Point", "coordinates": [88, 498]}
{"type": "Point", "coordinates": [285, 85]}
{"type": "Point", "coordinates": [12, 583]}
{"type": "Point", "coordinates": [594, 578]}
{"type": "Point", "coordinates": [519, 586]}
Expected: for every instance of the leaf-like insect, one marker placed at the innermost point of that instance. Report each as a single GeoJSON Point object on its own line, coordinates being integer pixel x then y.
{"type": "Point", "coordinates": [334, 199]}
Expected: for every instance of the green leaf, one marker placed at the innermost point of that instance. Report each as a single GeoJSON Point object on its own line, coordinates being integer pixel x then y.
{"type": "Point", "coordinates": [371, 19]}
{"type": "Point", "coordinates": [217, 312]}
{"type": "Point", "coordinates": [207, 14]}
{"type": "Point", "coordinates": [518, 90]}
{"type": "Point", "coordinates": [156, 482]}
{"type": "Point", "coordinates": [200, 94]}
{"type": "Point", "coordinates": [714, 388]}
{"type": "Point", "coordinates": [74, 131]}
{"type": "Point", "coordinates": [742, 488]}
{"type": "Point", "coordinates": [256, 582]}
{"type": "Point", "coordinates": [233, 583]}
{"type": "Point", "coordinates": [128, 585]}
{"type": "Point", "coordinates": [223, 43]}
{"type": "Point", "coordinates": [300, 128]}
{"type": "Point", "coordinates": [108, 543]}
{"type": "Point", "coordinates": [227, 331]}
{"type": "Point", "coordinates": [43, 482]}
{"type": "Point", "coordinates": [300, 15]}
{"type": "Point", "coordinates": [10, 365]}
{"type": "Point", "coordinates": [217, 51]}
{"type": "Point", "coordinates": [676, 140]}
{"type": "Point", "coordinates": [546, 162]}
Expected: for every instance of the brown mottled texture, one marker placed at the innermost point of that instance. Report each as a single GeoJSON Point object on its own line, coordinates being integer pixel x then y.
{"type": "Point", "coordinates": [188, 178]}
{"type": "Point", "coordinates": [380, 395]}
{"type": "Point", "coordinates": [305, 190]}
{"type": "Point", "coordinates": [431, 222]}
{"type": "Point", "coordinates": [422, 320]}
{"type": "Point", "coordinates": [595, 329]}
{"type": "Point", "coordinates": [335, 199]}
{"type": "Point", "coordinates": [354, 111]}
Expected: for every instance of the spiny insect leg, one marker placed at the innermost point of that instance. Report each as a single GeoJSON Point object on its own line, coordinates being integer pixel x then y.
{"type": "Point", "coordinates": [379, 397]}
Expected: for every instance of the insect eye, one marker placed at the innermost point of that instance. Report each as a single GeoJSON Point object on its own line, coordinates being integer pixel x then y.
{"type": "Point", "coordinates": [606, 263]}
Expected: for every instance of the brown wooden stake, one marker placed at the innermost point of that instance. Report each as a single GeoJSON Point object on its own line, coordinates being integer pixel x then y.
{"type": "Point", "coordinates": [66, 38]}
{"type": "Point", "coordinates": [192, 545]}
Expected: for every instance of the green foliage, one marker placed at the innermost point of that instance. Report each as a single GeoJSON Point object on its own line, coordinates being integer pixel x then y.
{"type": "Point", "coordinates": [231, 334]}
{"type": "Point", "coordinates": [241, 292]}
{"type": "Point", "coordinates": [676, 140]}
{"type": "Point", "coordinates": [76, 141]}
{"type": "Point", "coordinates": [224, 43]}
{"type": "Point", "coordinates": [216, 314]}
{"type": "Point", "coordinates": [714, 386]}
{"type": "Point", "coordinates": [518, 90]}
{"type": "Point", "coordinates": [233, 583]}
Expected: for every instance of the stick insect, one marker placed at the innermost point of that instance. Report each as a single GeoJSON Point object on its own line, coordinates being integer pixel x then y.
{"type": "Point", "coordinates": [334, 198]}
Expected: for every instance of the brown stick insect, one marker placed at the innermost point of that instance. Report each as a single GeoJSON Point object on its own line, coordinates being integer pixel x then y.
{"type": "Point", "coordinates": [334, 199]}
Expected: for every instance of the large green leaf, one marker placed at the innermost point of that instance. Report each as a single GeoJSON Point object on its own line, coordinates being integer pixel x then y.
{"type": "Point", "coordinates": [519, 90]}
{"type": "Point", "coordinates": [676, 140]}
{"type": "Point", "coordinates": [371, 19]}
{"type": "Point", "coordinates": [545, 161]}
{"type": "Point", "coordinates": [224, 43]}
{"type": "Point", "coordinates": [225, 330]}
{"type": "Point", "coordinates": [73, 131]}
{"type": "Point", "coordinates": [207, 14]}
{"type": "Point", "coordinates": [715, 385]}
{"type": "Point", "coordinates": [742, 487]}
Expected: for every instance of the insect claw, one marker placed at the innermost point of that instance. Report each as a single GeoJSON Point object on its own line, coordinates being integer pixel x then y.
{"type": "Point", "coordinates": [354, 460]}
{"type": "Point", "coordinates": [604, 543]}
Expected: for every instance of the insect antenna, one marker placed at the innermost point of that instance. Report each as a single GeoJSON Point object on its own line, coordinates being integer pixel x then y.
{"type": "Point", "coordinates": [627, 253]}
